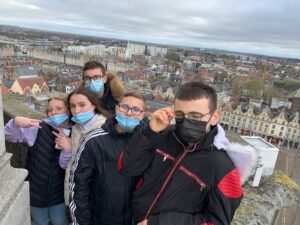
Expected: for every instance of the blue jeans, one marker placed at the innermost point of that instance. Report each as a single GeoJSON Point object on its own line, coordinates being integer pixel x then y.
{"type": "Point", "coordinates": [55, 213]}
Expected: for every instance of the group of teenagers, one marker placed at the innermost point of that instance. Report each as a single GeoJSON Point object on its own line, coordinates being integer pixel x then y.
{"type": "Point", "coordinates": [97, 154]}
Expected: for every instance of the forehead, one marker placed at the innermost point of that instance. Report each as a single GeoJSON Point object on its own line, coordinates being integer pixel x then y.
{"type": "Point", "coordinates": [199, 105]}
{"type": "Point", "coordinates": [92, 72]}
{"type": "Point", "coordinates": [56, 102]}
{"type": "Point", "coordinates": [76, 98]}
{"type": "Point", "coordinates": [132, 101]}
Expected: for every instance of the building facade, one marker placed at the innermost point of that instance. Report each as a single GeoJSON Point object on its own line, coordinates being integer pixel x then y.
{"type": "Point", "coordinates": [278, 129]}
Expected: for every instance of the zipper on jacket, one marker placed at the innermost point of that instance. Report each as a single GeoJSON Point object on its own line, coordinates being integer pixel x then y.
{"type": "Point", "coordinates": [165, 155]}
{"type": "Point", "coordinates": [193, 176]}
{"type": "Point", "coordinates": [165, 184]}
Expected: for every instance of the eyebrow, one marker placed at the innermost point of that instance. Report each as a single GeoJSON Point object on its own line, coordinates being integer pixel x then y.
{"type": "Point", "coordinates": [189, 112]}
{"type": "Point", "coordinates": [77, 103]}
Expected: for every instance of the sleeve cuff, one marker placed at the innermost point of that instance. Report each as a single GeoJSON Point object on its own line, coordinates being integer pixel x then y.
{"type": "Point", "coordinates": [12, 124]}
{"type": "Point", "coordinates": [66, 152]}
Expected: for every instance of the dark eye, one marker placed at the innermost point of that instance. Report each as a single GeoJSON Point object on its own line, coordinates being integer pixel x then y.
{"type": "Point", "coordinates": [124, 107]}
{"type": "Point", "coordinates": [136, 109]}
{"type": "Point", "coordinates": [195, 116]}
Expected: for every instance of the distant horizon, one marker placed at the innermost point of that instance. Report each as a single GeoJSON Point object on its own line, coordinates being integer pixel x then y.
{"type": "Point", "coordinates": [150, 43]}
{"type": "Point", "coordinates": [261, 27]}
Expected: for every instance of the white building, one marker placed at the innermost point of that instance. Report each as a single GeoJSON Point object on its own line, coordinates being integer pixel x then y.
{"type": "Point", "coordinates": [277, 103]}
{"type": "Point", "coordinates": [117, 51]}
{"type": "Point", "coordinates": [157, 51]}
{"type": "Point", "coordinates": [135, 49]}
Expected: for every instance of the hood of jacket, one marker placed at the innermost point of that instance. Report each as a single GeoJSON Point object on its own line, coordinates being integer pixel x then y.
{"type": "Point", "coordinates": [116, 86]}
{"type": "Point", "coordinates": [244, 158]}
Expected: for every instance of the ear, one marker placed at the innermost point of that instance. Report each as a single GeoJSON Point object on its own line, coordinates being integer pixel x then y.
{"type": "Point", "coordinates": [216, 117]}
{"type": "Point", "coordinates": [104, 80]}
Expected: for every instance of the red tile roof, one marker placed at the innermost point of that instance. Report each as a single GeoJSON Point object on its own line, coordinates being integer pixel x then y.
{"type": "Point", "coordinates": [30, 81]}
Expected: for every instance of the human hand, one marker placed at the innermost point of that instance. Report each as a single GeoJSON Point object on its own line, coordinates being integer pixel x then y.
{"type": "Point", "coordinates": [62, 140]}
{"type": "Point", "coordinates": [161, 118]}
{"type": "Point", "coordinates": [25, 122]}
{"type": "Point", "coordinates": [144, 222]}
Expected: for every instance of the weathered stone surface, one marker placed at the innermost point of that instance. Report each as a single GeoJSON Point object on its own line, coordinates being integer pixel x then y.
{"type": "Point", "coordinates": [14, 191]}
{"type": "Point", "coordinates": [14, 105]}
{"type": "Point", "coordinates": [261, 203]}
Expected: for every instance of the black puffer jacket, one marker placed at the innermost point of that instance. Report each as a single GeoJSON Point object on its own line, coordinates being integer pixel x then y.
{"type": "Point", "coordinates": [181, 185]}
{"type": "Point", "coordinates": [46, 178]}
{"type": "Point", "coordinates": [99, 194]}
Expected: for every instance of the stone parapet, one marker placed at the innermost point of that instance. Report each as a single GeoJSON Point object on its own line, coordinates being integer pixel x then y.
{"type": "Point", "coordinates": [14, 191]}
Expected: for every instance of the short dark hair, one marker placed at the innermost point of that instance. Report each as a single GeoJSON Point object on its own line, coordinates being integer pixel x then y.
{"type": "Point", "coordinates": [94, 65]}
{"type": "Point", "coordinates": [196, 90]}
{"type": "Point", "coordinates": [132, 93]}
{"type": "Point", "coordinates": [92, 97]}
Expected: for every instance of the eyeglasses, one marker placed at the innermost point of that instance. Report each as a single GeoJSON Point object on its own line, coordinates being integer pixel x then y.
{"type": "Point", "coordinates": [134, 110]}
{"type": "Point", "coordinates": [89, 79]}
{"type": "Point", "coordinates": [191, 115]}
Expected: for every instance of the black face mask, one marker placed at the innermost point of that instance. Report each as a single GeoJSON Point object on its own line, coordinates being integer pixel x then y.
{"type": "Point", "coordinates": [191, 131]}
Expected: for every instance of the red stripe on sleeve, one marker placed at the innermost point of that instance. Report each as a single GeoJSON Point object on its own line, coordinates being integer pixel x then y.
{"type": "Point", "coordinates": [230, 185]}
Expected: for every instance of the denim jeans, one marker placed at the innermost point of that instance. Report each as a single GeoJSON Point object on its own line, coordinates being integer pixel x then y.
{"type": "Point", "coordinates": [55, 213]}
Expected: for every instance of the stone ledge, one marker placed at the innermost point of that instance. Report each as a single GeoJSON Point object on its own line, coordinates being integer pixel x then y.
{"type": "Point", "coordinates": [11, 180]}
{"type": "Point", "coordinates": [260, 204]}
{"type": "Point", "coordinates": [14, 105]}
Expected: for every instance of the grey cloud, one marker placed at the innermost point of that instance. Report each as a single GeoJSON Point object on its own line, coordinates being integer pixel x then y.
{"type": "Point", "coordinates": [249, 24]}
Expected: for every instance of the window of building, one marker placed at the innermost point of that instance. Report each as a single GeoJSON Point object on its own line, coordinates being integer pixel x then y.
{"type": "Point", "coordinates": [273, 126]}
{"type": "Point", "coordinates": [272, 131]}
{"type": "Point", "coordinates": [280, 134]}
{"type": "Point", "coordinates": [282, 128]}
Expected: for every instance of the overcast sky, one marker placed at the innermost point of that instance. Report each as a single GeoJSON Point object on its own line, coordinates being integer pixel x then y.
{"type": "Point", "coordinates": [270, 27]}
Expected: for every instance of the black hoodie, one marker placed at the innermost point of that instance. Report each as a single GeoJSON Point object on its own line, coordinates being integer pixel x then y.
{"type": "Point", "coordinates": [99, 194]}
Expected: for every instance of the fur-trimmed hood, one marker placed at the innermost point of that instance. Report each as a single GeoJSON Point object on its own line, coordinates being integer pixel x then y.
{"type": "Point", "coordinates": [116, 86]}
{"type": "Point", "coordinates": [244, 157]}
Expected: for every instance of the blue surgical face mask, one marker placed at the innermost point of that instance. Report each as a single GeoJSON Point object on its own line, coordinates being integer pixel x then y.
{"type": "Point", "coordinates": [95, 86]}
{"type": "Point", "coordinates": [58, 119]}
{"type": "Point", "coordinates": [82, 118]}
{"type": "Point", "coordinates": [126, 123]}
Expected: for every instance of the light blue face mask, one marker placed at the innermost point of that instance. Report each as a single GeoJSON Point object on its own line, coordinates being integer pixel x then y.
{"type": "Point", "coordinates": [58, 119]}
{"type": "Point", "coordinates": [82, 118]}
{"type": "Point", "coordinates": [95, 86]}
{"type": "Point", "coordinates": [126, 123]}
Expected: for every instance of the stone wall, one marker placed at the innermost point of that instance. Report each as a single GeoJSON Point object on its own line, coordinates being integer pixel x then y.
{"type": "Point", "coordinates": [14, 191]}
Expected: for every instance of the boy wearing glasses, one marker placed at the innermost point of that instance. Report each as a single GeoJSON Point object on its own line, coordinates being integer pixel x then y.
{"type": "Point", "coordinates": [107, 85]}
{"type": "Point", "coordinates": [186, 178]}
{"type": "Point", "coordinates": [99, 194]}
